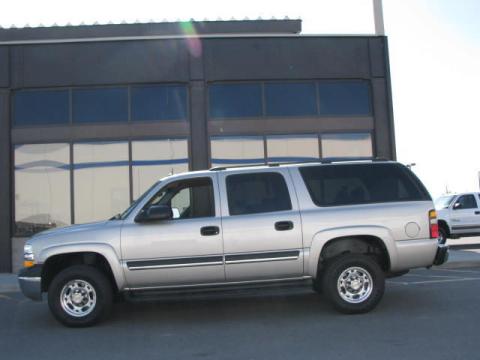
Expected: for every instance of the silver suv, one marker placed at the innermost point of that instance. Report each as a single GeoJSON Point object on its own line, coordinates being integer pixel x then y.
{"type": "Point", "coordinates": [342, 227]}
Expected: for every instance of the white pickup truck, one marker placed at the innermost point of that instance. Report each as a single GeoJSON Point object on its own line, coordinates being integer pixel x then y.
{"type": "Point", "coordinates": [458, 216]}
{"type": "Point", "coordinates": [342, 227]}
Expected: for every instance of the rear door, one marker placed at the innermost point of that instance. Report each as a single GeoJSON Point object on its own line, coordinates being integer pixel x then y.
{"type": "Point", "coordinates": [261, 225]}
{"type": "Point", "coordinates": [465, 215]}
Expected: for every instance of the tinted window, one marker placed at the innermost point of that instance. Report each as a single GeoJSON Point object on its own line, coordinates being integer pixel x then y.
{"type": "Point", "coordinates": [331, 185]}
{"type": "Point", "coordinates": [188, 198]}
{"type": "Point", "coordinates": [466, 202]}
{"type": "Point", "coordinates": [344, 98]}
{"type": "Point", "coordinates": [290, 99]}
{"type": "Point", "coordinates": [32, 107]}
{"type": "Point", "coordinates": [235, 100]}
{"type": "Point", "coordinates": [257, 193]}
{"type": "Point", "coordinates": [159, 103]}
{"type": "Point", "coordinates": [100, 105]}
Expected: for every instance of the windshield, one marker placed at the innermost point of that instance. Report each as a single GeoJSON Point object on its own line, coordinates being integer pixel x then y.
{"type": "Point", "coordinates": [444, 201]}
{"type": "Point", "coordinates": [127, 212]}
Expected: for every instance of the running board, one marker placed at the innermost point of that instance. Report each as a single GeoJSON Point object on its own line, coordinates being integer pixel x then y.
{"type": "Point", "coordinates": [242, 288]}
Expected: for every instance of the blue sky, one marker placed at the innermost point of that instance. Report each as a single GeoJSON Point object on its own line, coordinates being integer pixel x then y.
{"type": "Point", "coordinates": [434, 56]}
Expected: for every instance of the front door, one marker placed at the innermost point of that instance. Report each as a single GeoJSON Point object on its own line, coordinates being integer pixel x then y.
{"type": "Point", "coordinates": [465, 215]}
{"type": "Point", "coordinates": [185, 250]}
{"type": "Point", "coordinates": [261, 225]}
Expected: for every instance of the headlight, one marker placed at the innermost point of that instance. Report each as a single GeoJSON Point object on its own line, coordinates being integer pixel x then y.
{"type": "Point", "coordinates": [28, 258]}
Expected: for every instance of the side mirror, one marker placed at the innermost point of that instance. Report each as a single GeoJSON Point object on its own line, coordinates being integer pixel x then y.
{"type": "Point", "coordinates": [457, 206]}
{"type": "Point", "coordinates": [176, 213]}
{"type": "Point", "coordinates": [155, 213]}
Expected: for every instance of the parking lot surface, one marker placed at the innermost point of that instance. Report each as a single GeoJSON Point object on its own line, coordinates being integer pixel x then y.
{"type": "Point", "coordinates": [426, 314]}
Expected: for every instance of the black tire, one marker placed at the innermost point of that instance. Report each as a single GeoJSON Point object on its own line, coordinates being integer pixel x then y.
{"type": "Point", "coordinates": [317, 285]}
{"type": "Point", "coordinates": [331, 276]}
{"type": "Point", "coordinates": [102, 289]}
{"type": "Point", "coordinates": [442, 235]}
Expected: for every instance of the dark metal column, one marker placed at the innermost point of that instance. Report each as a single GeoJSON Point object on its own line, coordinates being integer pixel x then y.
{"type": "Point", "coordinates": [198, 127]}
{"type": "Point", "coordinates": [5, 184]}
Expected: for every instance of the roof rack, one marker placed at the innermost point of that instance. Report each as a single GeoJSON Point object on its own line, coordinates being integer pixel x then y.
{"type": "Point", "coordinates": [272, 164]}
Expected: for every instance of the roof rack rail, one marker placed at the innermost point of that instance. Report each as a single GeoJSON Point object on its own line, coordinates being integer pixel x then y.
{"type": "Point", "coordinates": [271, 164]}
{"type": "Point", "coordinates": [321, 161]}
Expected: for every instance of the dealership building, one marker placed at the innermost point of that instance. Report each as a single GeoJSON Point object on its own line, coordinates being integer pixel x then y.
{"type": "Point", "coordinates": [91, 116]}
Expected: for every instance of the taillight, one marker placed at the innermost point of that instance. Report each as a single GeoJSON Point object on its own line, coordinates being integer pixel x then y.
{"type": "Point", "coordinates": [432, 217]}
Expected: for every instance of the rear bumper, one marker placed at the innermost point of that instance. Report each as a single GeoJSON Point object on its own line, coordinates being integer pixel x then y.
{"type": "Point", "coordinates": [441, 257]}
{"type": "Point", "coordinates": [30, 282]}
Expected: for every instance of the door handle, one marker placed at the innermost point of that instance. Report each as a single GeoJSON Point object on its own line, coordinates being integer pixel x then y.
{"type": "Point", "coordinates": [283, 225]}
{"type": "Point", "coordinates": [477, 212]}
{"type": "Point", "coordinates": [210, 230]}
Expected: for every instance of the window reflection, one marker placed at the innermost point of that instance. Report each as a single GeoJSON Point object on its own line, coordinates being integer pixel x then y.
{"type": "Point", "coordinates": [101, 180]}
{"type": "Point", "coordinates": [233, 150]}
{"type": "Point", "coordinates": [289, 148]}
{"type": "Point", "coordinates": [154, 159]}
{"type": "Point", "coordinates": [347, 145]}
{"type": "Point", "coordinates": [42, 187]}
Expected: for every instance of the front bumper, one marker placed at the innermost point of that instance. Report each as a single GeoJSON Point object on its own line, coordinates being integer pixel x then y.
{"type": "Point", "coordinates": [441, 257]}
{"type": "Point", "coordinates": [30, 282]}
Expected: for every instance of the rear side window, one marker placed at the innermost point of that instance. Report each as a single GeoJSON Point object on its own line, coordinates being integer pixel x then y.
{"type": "Point", "coordinates": [332, 185]}
{"type": "Point", "coordinates": [257, 193]}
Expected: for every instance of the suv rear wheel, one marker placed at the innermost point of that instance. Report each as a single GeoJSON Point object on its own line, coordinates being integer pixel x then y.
{"type": "Point", "coordinates": [353, 283]}
{"type": "Point", "coordinates": [442, 235]}
{"type": "Point", "coordinates": [80, 296]}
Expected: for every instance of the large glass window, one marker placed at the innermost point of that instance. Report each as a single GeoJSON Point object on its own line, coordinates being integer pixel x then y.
{"type": "Point", "coordinates": [233, 150]}
{"type": "Point", "coordinates": [154, 159]}
{"type": "Point", "coordinates": [257, 193]}
{"type": "Point", "coordinates": [284, 148]}
{"type": "Point", "coordinates": [235, 100]}
{"type": "Point", "coordinates": [346, 145]}
{"type": "Point", "coordinates": [291, 99]}
{"type": "Point", "coordinates": [344, 98]}
{"type": "Point", "coordinates": [38, 107]}
{"type": "Point", "coordinates": [42, 187]}
{"type": "Point", "coordinates": [100, 105]}
{"type": "Point", "coordinates": [331, 185]}
{"type": "Point", "coordinates": [159, 102]}
{"type": "Point", "coordinates": [101, 180]}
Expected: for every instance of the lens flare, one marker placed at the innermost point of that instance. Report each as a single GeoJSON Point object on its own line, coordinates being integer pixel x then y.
{"type": "Point", "coordinates": [194, 43]}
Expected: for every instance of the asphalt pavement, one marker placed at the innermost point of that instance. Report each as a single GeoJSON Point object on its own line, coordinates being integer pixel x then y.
{"type": "Point", "coordinates": [426, 314]}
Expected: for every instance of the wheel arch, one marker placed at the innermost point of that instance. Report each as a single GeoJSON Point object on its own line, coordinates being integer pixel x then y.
{"type": "Point", "coordinates": [327, 244]}
{"type": "Point", "coordinates": [103, 257]}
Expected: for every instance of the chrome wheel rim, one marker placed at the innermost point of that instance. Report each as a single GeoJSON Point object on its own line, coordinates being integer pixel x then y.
{"type": "Point", "coordinates": [78, 298]}
{"type": "Point", "coordinates": [355, 285]}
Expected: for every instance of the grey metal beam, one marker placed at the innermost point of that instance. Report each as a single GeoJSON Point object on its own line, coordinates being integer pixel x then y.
{"type": "Point", "coordinates": [289, 126]}
{"type": "Point", "coordinates": [293, 26]}
{"type": "Point", "coordinates": [5, 184]}
{"type": "Point", "coordinates": [44, 134]}
{"type": "Point", "coordinates": [198, 124]}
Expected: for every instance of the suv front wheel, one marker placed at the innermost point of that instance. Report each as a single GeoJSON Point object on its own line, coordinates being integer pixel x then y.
{"type": "Point", "coordinates": [353, 283]}
{"type": "Point", "coordinates": [80, 296]}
